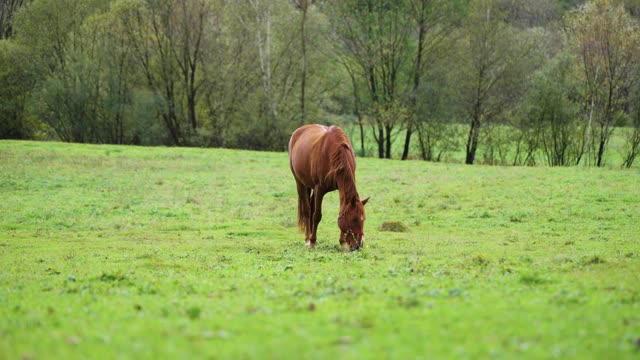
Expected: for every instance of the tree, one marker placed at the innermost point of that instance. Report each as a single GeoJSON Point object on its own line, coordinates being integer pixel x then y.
{"type": "Point", "coordinates": [605, 39]}
{"type": "Point", "coordinates": [271, 116]}
{"type": "Point", "coordinates": [526, 14]}
{"type": "Point", "coordinates": [492, 69]}
{"type": "Point", "coordinates": [434, 20]}
{"type": "Point", "coordinates": [350, 68]}
{"type": "Point", "coordinates": [7, 10]}
{"type": "Point", "coordinates": [434, 122]}
{"type": "Point", "coordinates": [303, 6]}
{"type": "Point", "coordinates": [66, 97]}
{"type": "Point", "coordinates": [632, 136]}
{"type": "Point", "coordinates": [374, 36]}
{"type": "Point", "coordinates": [117, 82]}
{"type": "Point", "coordinates": [549, 123]}
{"type": "Point", "coordinates": [18, 77]}
{"type": "Point", "coordinates": [263, 28]}
{"type": "Point", "coordinates": [231, 77]}
{"type": "Point", "coordinates": [632, 141]}
{"type": "Point", "coordinates": [191, 17]}
{"type": "Point", "coordinates": [169, 39]}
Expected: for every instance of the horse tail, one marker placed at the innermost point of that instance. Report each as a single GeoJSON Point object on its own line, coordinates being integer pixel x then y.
{"type": "Point", "coordinates": [302, 216]}
{"type": "Point", "coordinates": [304, 206]}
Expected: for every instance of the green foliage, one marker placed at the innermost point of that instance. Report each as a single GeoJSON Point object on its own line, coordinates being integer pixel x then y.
{"type": "Point", "coordinates": [494, 60]}
{"type": "Point", "coordinates": [67, 97]}
{"type": "Point", "coordinates": [67, 100]}
{"type": "Point", "coordinates": [135, 252]}
{"type": "Point", "coordinates": [550, 120]}
{"type": "Point", "coordinates": [18, 77]}
{"type": "Point", "coordinates": [608, 66]}
{"type": "Point", "coordinates": [244, 74]}
{"type": "Point", "coordinates": [51, 28]}
{"type": "Point", "coordinates": [373, 40]}
{"type": "Point", "coordinates": [632, 135]}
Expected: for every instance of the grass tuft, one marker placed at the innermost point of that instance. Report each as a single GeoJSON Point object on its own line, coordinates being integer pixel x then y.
{"type": "Point", "coordinates": [194, 312]}
{"type": "Point", "coordinates": [480, 260]}
{"type": "Point", "coordinates": [532, 279]}
{"type": "Point", "coordinates": [593, 260]}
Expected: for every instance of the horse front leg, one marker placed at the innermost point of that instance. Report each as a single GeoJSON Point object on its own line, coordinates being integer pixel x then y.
{"type": "Point", "coordinates": [310, 234]}
{"type": "Point", "coordinates": [316, 214]}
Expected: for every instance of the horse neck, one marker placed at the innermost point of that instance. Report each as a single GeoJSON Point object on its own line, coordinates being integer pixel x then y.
{"type": "Point", "coordinates": [345, 179]}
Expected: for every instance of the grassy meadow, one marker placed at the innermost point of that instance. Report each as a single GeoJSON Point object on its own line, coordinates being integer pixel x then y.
{"type": "Point", "coordinates": [133, 252]}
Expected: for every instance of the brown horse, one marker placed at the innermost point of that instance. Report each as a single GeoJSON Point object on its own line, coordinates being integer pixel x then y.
{"type": "Point", "coordinates": [322, 160]}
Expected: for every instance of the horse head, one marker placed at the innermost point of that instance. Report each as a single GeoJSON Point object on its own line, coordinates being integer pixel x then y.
{"type": "Point", "coordinates": [351, 223]}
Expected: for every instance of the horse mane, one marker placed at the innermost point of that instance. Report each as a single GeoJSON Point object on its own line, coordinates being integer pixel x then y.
{"type": "Point", "coordinates": [343, 165]}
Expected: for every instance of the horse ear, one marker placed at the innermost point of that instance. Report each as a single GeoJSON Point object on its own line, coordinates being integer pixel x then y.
{"type": "Point", "coordinates": [364, 202]}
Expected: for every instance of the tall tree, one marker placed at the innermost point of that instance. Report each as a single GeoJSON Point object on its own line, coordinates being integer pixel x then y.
{"type": "Point", "coordinates": [148, 32]}
{"type": "Point", "coordinates": [491, 70]}
{"type": "Point", "coordinates": [549, 124]}
{"type": "Point", "coordinates": [632, 138]}
{"type": "Point", "coordinates": [526, 14]}
{"type": "Point", "coordinates": [273, 116]}
{"type": "Point", "coordinates": [18, 77]}
{"type": "Point", "coordinates": [191, 18]}
{"type": "Point", "coordinates": [168, 39]}
{"type": "Point", "coordinates": [7, 10]}
{"type": "Point", "coordinates": [605, 39]}
{"type": "Point", "coordinates": [303, 6]}
{"type": "Point", "coordinates": [67, 96]}
{"type": "Point", "coordinates": [117, 72]}
{"type": "Point", "coordinates": [375, 34]}
{"type": "Point", "coordinates": [262, 13]}
{"type": "Point", "coordinates": [230, 74]}
{"type": "Point", "coordinates": [433, 20]}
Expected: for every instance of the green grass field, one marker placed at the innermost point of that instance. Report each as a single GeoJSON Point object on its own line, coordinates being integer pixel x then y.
{"type": "Point", "coordinates": [131, 252]}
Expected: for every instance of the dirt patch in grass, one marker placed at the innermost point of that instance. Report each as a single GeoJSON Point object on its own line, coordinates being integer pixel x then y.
{"type": "Point", "coordinates": [394, 226]}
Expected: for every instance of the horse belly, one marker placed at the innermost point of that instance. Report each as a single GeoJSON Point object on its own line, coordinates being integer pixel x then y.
{"type": "Point", "coordinates": [302, 172]}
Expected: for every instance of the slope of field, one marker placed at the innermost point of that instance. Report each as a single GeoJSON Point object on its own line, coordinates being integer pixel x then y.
{"type": "Point", "coordinates": [131, 252]}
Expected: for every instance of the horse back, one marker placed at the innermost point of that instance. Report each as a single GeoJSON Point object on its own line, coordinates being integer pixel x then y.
{"type": "Point", "coordinates": [310, 151]}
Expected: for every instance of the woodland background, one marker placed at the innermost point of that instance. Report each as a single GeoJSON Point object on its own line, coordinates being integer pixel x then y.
{"type": "Point", "coordinates": [501, 81]}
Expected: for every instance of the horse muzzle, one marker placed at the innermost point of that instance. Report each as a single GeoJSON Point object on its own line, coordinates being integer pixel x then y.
{"type": "Point", "coordinates": [355, 239]}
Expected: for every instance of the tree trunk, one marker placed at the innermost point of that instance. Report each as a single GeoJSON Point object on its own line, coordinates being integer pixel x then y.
{"type": "Point", "coordinates": [362, 152]}
{"type": "Point", "coordinates": [600, 152]}
{"type": "Point", "coordinates": [423, 150]}
{"type": "Point", "coordinates": [264, 54]}
{"type": "Point", "coordinates": [586, 146]}
{"type": "Point", "coordinates": [422, 30]}
{"type": "Point", "coordinates": [380, 139]}
{"type": "Point", "coordinates": [388, 141]}
{"type": "Point", "coordinates": [407, 141]}
{"type": "Point", "coordinates": [191, 105]}
{"type": "Point", "coordinates": [634, 148]}
{"type": "Point", "coordinates": [304, 63]}
{"type": "Point", "coordinates": [472, 141]}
